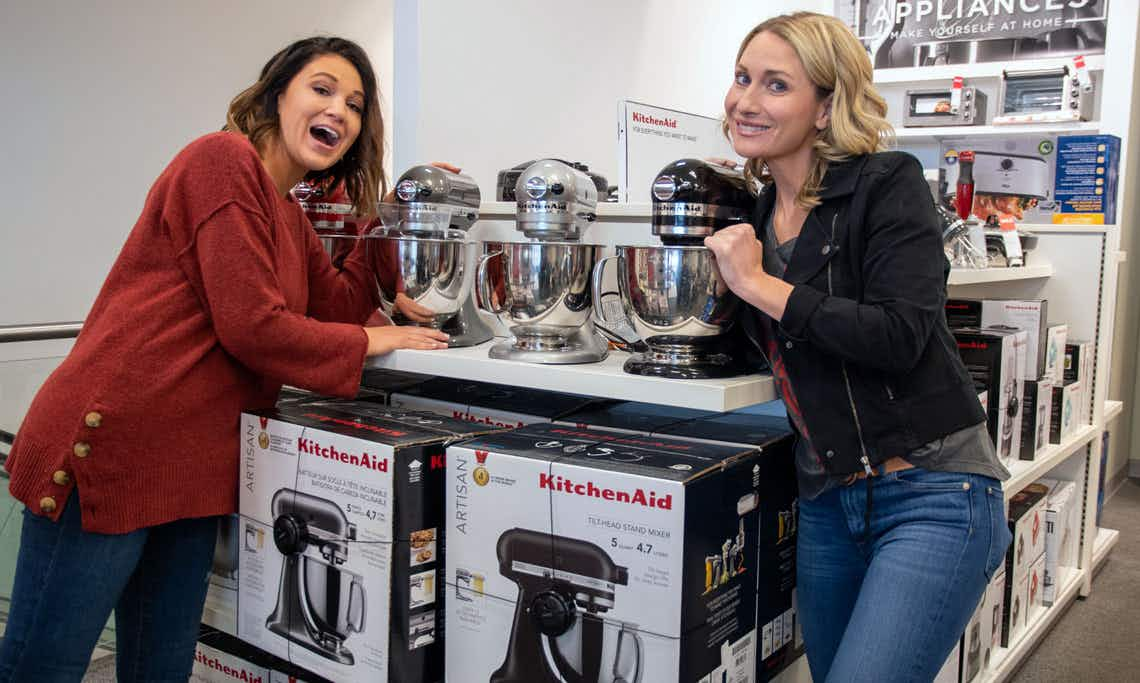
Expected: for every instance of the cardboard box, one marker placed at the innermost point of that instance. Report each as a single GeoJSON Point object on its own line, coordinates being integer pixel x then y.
{"type": "Point", "coordinates": [1087, 175]}
{"type": "Point", "coordinates": [1064, 418]}
{"type": "Point", "coordinates": [1079, 368]}
{"type": "Point", "coordinates": [341, 508]}
{"type": "Point", "coordinates": [1036, 410]}
{"type": "Point", "coordinates": [1062, 519]}
{"type": "Point", "coordinates": [220, 609]}
{"type": "Point", "coordinates": [660, 535]}
{"type": "Point", "coordinates": [1036, 586]}
{"type": "Point", "coordinates": [1027, 523]}
{"type": "Point", "coordinates": [492, 404]}
{"type": "Point", "coordinates": [631, 417]}
{"type": "Point", "coordinates": [973, 645]}
{"type": "Point", "coordinates": [995, 600]}
{"type": "Point", "coordinates": [222, 658]}
{"type": "Point", "coordinates": [993, 358]}
{"type": "Point", "coordinates": [1029, 315]}
{"type": "Point", "coordinates": [1007, 170]}
{"type": "Point", "coordinates": [1056, 338]}
{"type": "Point", "coordinates": [387, 382]}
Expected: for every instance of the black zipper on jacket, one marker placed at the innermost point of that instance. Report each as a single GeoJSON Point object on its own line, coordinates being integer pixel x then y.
{"type": "Point", "coordinates": [851, 400]}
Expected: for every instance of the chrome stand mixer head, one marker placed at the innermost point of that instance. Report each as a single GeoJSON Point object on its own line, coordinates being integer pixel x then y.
{"type": "Point", "coordinates": [421, 251]}
{"type": "Point", "coordinates": [540, 288]}
{"type": "Point", "coordinates": [673, 296]}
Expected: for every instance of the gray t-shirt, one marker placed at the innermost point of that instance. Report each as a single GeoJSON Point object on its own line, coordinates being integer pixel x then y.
{"type": "Point", "coordinates": [968, 450]}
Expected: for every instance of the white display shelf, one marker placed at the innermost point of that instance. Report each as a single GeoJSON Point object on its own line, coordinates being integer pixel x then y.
{"type": "Point", "coordinates": [1112, 410]}
{"type": "Point", "coordinates": [935, 133]}
{"type": "Point", "coordinates": [971, 276]}
{"type": "Point", "coordinates": [1005, 660]}
{"type": "Point", "coordinates": [1025, 472]}
{"type": "Point", "coordinates": [605, 379]}
{"type": "Point", "coordinates": [1105, 541]}
{"type": "Point", "coordinates": [1062, 228]}
{"type": "Point", "coordinates": [933, 74]}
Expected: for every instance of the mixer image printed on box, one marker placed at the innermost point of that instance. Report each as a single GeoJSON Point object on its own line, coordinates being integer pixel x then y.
{"type": "Point", "coordinates": [620, 558]}
{"type": "Point", "coordinates": [340, 505]}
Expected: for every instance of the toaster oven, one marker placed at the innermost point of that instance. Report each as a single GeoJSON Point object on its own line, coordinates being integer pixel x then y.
{"type": "Point", "coordinates": [932, 107]}
{"type": "Point", "coordinates": [1043, 96]}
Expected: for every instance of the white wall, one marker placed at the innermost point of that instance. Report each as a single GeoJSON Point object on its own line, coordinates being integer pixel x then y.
{"type": "Point", "coordinates": [99, 96]}
{"type": "Point", "coordinates": [490, 84]}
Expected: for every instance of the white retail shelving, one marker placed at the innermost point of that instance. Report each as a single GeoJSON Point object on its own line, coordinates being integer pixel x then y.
{"type": "Point", "coordinates": [1112, 410]}
{"type": "Point", "coordinates": [605, 379]}
{"type": "Point", "coordinates": [936, 133]}
{"type": "Point", "coordinates": [1005, 660]}
{"type": "Point", "coordinates": [1106, 540]}
{"type": "Point", "coordinates": [971, 276]}
{"type": "Point", "coordinates": [932, 74]}
{"type": "Point", "coordinates": [1025, 472]}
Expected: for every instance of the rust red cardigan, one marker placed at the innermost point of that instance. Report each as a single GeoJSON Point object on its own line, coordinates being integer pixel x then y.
{"type": "Point", "coordinates": [213, 303]}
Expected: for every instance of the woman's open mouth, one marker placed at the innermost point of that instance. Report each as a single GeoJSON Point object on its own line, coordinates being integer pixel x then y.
{"type": "Point", "coordinates": [325, 135]}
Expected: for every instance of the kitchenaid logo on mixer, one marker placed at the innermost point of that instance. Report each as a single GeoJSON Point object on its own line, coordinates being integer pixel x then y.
{"type": "Point", "coordinates": [590, 490]}
{"type": "Point", "coordinates": [638, 117]}
{"type": "Point", "coordinates": [364, 460]}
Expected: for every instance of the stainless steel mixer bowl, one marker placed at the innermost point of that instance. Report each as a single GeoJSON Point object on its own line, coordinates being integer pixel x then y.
{"type": "Point", "coordinates": [432, 272]}
{"type": "Point", "coordinates": [539, 288]}
{"type": "Point", "coordinates": [335, 598]}
{"type": "Point", "coordinates": [672, 294]}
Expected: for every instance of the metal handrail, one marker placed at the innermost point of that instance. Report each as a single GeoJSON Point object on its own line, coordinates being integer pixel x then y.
{"type": "Point", "coordinates": [39, 332]}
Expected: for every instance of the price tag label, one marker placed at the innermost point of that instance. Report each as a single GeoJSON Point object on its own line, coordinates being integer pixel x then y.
{"type": "Point", "coordinates": [1083, 78]}
{"type": "Point", "coordinates": [955, 94]}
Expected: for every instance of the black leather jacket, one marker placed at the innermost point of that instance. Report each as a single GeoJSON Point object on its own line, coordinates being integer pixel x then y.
{"type": "Point", "coordinates": [864, 336]}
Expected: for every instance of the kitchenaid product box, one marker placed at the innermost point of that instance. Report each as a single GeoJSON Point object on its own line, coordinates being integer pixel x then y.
{"type": "Point", "coordinates": [1013, 175]}
{"type": "Point", "coordinates": [993, 358]}
{"type": "Point", "coordinates": [1055, 340]}
{"type": "Point", "coordinates": [341, 508]}
{"type": "Point", "coordinates": [974, 644]}
{"type": "Point", "coordinates": [222, 658]}
{"type": "Point", "coordinates": [779, 503]}
{"type": "Point", "coordinates": [631, 417]}
{"type": "Point", "coordinates": [220, 609]}
{"type": "Point", "coordinates": [1036, 585]}
{"type": "Point", "coordinates": [1027, 523]}
{"type": "Point", "coordinates": [1079, 368]}
{"type": "Point", "coordinates": [1063, 420]}
{"type": "Point", "coordinates": [493, 404]}
{"type": "Point", "coordinates": [386, 382]}
{"type": "Point", "coordinates": [1088, 170]}
{"type": "Point", "coordinates": [1061, 530]}
{"type": "Point", "coordinates": [995, 601]}
{"type": "Point", "coordinates": [1036, 411]}
{"type": "Point", "coordinates": [1019, 314]}
{"type": "Point", "coordinates": [619, 557]}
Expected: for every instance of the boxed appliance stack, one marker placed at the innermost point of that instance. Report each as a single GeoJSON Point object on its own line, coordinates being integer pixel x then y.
{"type": "Point", "coordinates": [1044, 344]}
{"type": "Point", "coordinates": [340, 537]}
{"type": "Point", "coordinates": [1025, 560]}
{"type": "Point", "coordinates": [484, 403]}
{"type": "Point", "coordinates": [621, 557]}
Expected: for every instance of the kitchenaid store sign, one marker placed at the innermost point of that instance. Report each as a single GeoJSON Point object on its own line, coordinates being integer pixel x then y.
{"type": "Point", "coordinates": [905, 32]}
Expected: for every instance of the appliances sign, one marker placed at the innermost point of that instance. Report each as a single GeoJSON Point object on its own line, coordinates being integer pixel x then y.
{"type": "Point", "coordinates": [903, 33]}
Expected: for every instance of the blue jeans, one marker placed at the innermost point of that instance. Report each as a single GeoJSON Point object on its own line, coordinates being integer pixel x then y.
{"type": "Point", "coordinates": [68, 581]}
{"type": "Point", "coordinates": [889, 603]}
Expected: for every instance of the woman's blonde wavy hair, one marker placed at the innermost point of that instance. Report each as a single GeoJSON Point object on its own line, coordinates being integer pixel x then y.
{"type": "Point", "coordinates": [253, 113]}
{"type": "Point", "coordinates": [838, 66]}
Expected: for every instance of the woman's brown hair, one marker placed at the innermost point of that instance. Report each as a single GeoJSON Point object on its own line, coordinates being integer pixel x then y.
{"type": "Point", "coordinates": [254, 114]}
{"type": "Point", "coordinates": [838, 66]}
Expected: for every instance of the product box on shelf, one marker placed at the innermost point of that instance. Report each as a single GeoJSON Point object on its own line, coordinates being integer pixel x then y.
{"type": "Point", "coordinates": [1055, 339]}
{"type": "Point", "coordinates": [640, 553]}
{"type": "Point", "coordinates": [341, 507]}
{"type": "Point", "coordinates": [1088, 170]}
{"type": "Point", "coordinates": [1062, 517]}
{"type": "Point", "coordinates": [1064, 418]}
{"type": "Point", "coordinates": [492, 404]}
{"type": "Point", "coordinates": [995, 601]}
{"type": "Point", "coordinates": [630, 417]}
{"type": "Point", "coordinates": [1036, 585]}
{"type": "Point", "coordinates": [220, 609]}
{"type": "Point", "coordinates": [222, 658]}
{"type": "Point", "coordinates": [1079, 368]}
{"type": "Point", "coordinates": [387, 382]}
{"type": "Point", "coordinates": [951, 671]}
{"type": "Point", "coordinates": [974, 641]}
{"type": "Point", "coordinates": [1013, 175]}
{"type": "Point", "coordinates": [1029, 315]}
{"type": "Point", "coordinates": [1027, 522]}
{"type": "Point", "coordinates": [994, 358]}
{"type": "Point", "coordinates": [1036, 410]}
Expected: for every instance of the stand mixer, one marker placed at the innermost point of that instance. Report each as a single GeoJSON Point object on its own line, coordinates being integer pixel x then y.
{"type": "Point", "coordinates": [551, 640]}
{"type": "Point", "coordinates": [540, 288]}
{"type": "Point", "coordinates": [318, 604]}
{"type": "Point", "coordinates": [673, 295]}
{"type": "Point", "coordinates": [421, 251]}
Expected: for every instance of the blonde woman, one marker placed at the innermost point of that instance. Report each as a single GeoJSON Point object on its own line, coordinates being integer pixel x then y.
{"type": "Point", "coordinates": [902, 520]}
{"type": "Point", "coordinates": [221, 293]}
